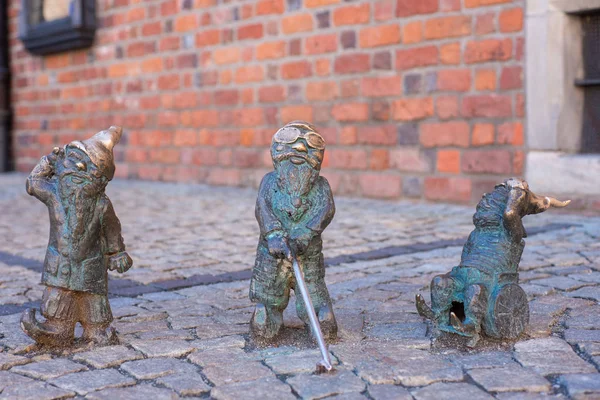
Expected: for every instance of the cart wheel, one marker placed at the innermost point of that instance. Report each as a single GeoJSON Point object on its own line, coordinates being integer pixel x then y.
{"type": "Point", "coordinates": [508, 312]}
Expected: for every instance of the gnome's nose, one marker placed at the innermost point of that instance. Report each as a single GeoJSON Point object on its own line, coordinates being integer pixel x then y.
{"type": "Point", "coordinates": [300, 147]}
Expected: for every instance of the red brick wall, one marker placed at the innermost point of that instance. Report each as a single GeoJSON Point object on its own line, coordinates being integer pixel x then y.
{"type": "Point", "coordinates": [415, 98]}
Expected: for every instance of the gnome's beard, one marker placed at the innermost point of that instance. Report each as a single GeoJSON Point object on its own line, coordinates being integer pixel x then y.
{"type": "Point", "coordinates": [296, 180]}
{"type": "Point", "coordinates": [79, 201]}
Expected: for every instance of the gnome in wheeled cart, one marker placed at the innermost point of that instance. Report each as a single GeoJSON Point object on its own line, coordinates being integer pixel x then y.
{"type": "Point", "coordinates": [293, 208]}
{"type": "Point", "coordinates": [85, 241]}
{"type": "Point", "coordinates": [483, 290]}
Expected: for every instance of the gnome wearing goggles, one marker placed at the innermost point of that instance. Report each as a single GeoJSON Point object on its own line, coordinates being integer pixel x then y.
{"type": "Point", "coordinates": [85, 241]}
{"type": "Point", "coordinates": [293, 208]}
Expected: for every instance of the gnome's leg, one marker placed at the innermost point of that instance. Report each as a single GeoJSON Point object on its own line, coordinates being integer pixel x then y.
{"type": "Point", "coordinates": [443, 288]}
{"type": "Point", "coordinates": [270, 291]}
{"type": "Point", "coordinates": [59, 310]}
{"type": "Point", "coordinates": [475, 308]}
{"type": "Point", "coordinates": [95, 316]}
{"type": "Point", "coordinates": [314, 275]}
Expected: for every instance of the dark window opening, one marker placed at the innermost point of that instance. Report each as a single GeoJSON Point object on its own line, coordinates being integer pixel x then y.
{"type": "Point", "coordinates": [458, 309]}
{"type": "Point", "coordinates": [590, 134]}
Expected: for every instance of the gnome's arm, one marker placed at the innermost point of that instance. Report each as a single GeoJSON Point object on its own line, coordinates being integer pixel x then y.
{"type": "Point", "coordinates": [118, 260]}
{"type": "Point", "coordinates": [320, 215]}
{"type": "Point", "coordinates": [270, 226]}
{"type": "Point", "coordinates": [39, 183]}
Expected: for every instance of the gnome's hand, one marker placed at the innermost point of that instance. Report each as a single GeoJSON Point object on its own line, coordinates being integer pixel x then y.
{"type": "Point", "coordinates": [300, 239]}
{"type": "Point", "coordinates": [120, 262]}
{"type": "Point", "coordinates": [277, 245]}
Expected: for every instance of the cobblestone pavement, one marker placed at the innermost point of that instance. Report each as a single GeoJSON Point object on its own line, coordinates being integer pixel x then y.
{"type": "Point", "coordinates": [182, 311]}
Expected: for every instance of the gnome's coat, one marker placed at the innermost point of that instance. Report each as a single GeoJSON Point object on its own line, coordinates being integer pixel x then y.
{"type": "Point", "coordinates": [76, 261]}
{"type": "Point", "coordinates": [276, 214]}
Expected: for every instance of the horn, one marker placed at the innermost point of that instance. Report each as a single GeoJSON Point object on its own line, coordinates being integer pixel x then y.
{"type": "Point", "coordinates": [542, 203]}
{"type": "Point", "coordinates": [558, 203]}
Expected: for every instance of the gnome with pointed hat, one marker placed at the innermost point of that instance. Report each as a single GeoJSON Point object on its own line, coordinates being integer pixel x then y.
{"type": "Point", "coordinates": [85, 241]}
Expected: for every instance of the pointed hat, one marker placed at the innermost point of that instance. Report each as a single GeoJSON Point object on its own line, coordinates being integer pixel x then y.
{"type": "Point", "coordinates": [99, 149]}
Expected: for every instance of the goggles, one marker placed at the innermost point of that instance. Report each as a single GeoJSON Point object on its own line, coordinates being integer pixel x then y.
{"type": "Point", "coordinates": [289, 134]}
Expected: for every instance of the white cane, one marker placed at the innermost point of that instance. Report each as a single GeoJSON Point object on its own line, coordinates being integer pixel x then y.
{"type": "Point", "coordinates": [325, 363]}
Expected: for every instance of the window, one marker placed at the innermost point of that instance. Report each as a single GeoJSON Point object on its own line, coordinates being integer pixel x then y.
{"type": "Point", "coordinates": [52, 26]}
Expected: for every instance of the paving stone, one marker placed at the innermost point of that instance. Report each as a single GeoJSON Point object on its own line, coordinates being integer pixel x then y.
{"type": "Point", "coordinates": [152, 368]}
{"type": "Point", "coordinates": [450, 391]}
{"type": "Point", "coordinates": [582, 386]}
{"type": "Point", "coordinates": [126, 328]}
{"type": "Point", "coordinates": [36, 390]}
{"type": "Point", "coordinates": [319, 386]}
{"type": "Point", "coordinates": [509, 379]}
{"type": "Point", "coordinates": [554, 362]}
{"type": "Point", "coordinates": [295, 362]}
{"type": "Point", "coordinates": [542, 345]}
{"type": "Point", "coordinates": [269, 388]}
{"type": "Point", "coordinates": [424, 371]}
{"type": "Point", "coordinates": [10, 360]}
{"type": "Point", "coordinates": [230, 373]}
{"type": "Point", "coordinates": [90, 381]}
{"type": "Point", "coordinates": [181, 334]}
{"type": "Point", "coordinates": [143, 391]}
{"type": "Point", "coordinates": [8, 379]}
{"type": "Point", "coordinates": [586, 293]}
{"type": "Point", "coordinates": [348, 396]}
{"type": "Point", "coordinates": [163, 348]}
{"type": "Point", "coordinates": [593, 349]}
{"type": "Point", "coordinates": [49, 369]}
{"type": "Point", "coordinates": [528, 396]}
{"type": "Point", "coordinates": [483, 360]}
{"type": "Point", "coordinates": [389, 392]}
{"type": "Point", "coordinates": [185, 384]}
{"type": "Point", "coordinates": [560, 282]}
{"type": "Point", "coordinates": [414, 330]}
{"type": "Point", "coordinates": [109, 356]}
{"type": "Point", "coordinates": [582, 335]}
{"type": "Point", "coordinates": [224, 342]}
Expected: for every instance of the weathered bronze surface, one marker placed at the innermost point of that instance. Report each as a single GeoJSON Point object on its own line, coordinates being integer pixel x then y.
{"type": "Point", "coordinates": [293, 208]}
{"type": "Point", "coordinates": [483, 290]}
{"type": "Point", "coordinates": [85, 241]}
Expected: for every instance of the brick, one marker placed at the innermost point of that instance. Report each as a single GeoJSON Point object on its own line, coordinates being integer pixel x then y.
{"type": "Point", "coordinates": [448, 161]}
{"type": "Point", "coordinates": [416, 57]}
{"type": "Point", "coordinates": [209, 37]}
{"type": "Point", "coordinates": [348, 159]}
{"type": "Point", "coordinates": [520, 105]}
{"type": "Point", "coordinates": [511, 20]}
{"type": "Point", "coordinates": [511, 133]}
{"type": "Point", "coordinates": [384, 10]}
{"type": "Point", "coordinates": [224, 176]}
{"type": "Point", "coordinates": [271, 94]}
{"type": "Point", "coordinates": [379, 159]}
{"type": "Point", "coordinates": [226, 55]}
{"type": "Point", "coordinates": [446, 107]}
{"type": "Point", "coordinates": [381, 111]}
{"type": "Point", "coordinates": [519, 48]}
{"type": "Point", "coordinates": [485, 79]}
{"type": "Point", "coordinates": [380, 186]}
{"type": "Point", "coordinates": [270, 50]}
{"type": "Point", "coordinates": [518, 162]}
{"type": "Point", "coordinates": [348, 39]}
{"type": "Point", "coordinates": [297, 23]}
{"type": "Point", "coordinates": [488, 50]}
{"type": "Point", "coordinates": [319, 3]}
{"type": "Point", "coordinates": [489, 161]}
{"type": "Point", "coordinates": [152, 28]}
{"type": "Point", "coordinates": [377, 135]}
{"type": "Point", "coordinates": [447, 27]}
{"type": "Point", "coordinates": [266, 7]}
{"type": "Point", "coordinates": [296, 70]}
{"type": "Point", "coordinates": [251, 31]}
{"type": "Point", "coordinates": [169, 82]}
{"type": "Point", "coordinates": [295, 47]}
{"type": "Point", "coordinates": [412, 32]}
{"type": "Point", "coordinates": [382, 60]}
{"type": "Point", "coordinates": [412, 109]}
{"type": "Point", "coordinates": [450, 53]}
{"type": "Point", "coordinates": [225, 77]}
{"type": "Point", "coordinates": [448, 189]}
{"type": "Point", "coordinates": [381, 86]}
{"type": "Point", "coordinates": [185, 138]}
{"type": "Point", "coordinates": [322, 67]}
{"type": "Point", "coordinates": [482, 3]}
{"type": "Point", "coordinates": [457, 80]}
{"type": "Point", "coordinates": [453, 133]}
{"type": "Point", "coordinates": [321, 91]}
{"type": "Point", "coordinates": [348, 135]}
{"type": "Point", "coordinates": [320, 44]}
{"type": "Point", "coordinates": [352, 15]}
{"type": "Point", "coordinates": [352, 63]}
{"type": "Point", "coordinates": [185, 23]}
{"type": "Point", "coordinates": [250, 117]}
{"type": "Point", "coordinates": [350, 112]}
{"type": "Point", "coordinates": [381, 35]}
{"type": "Point", "coordinates": [299, 112]}
{"type": "Point", "coordinates": [250, 73]}
{"type": "Point", "coordinates": [410, 160]}
{"type": "Point", "coordinates": [248, 96]}
{"type": "Point", "coordinates": [186, 61]}
{"type": "Point", "coordinates": [406, 8]}
{"type": "Point", "coordinates": [323, 19]}
{"type": "Point", "coordinates": [511, 78]}
{"type": "Point", "coordinates": [486, 106]}
{"type": "Point", "coordinates": [483, 135]}
{"type": "Point", "coordinates": [450, 5]}
{"type": "Point", "coordinates": [485, 23]}
{"type": "Point", "coordinates": [226, 97]}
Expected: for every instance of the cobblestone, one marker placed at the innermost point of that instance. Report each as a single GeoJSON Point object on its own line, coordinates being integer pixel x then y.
{"type": "Point", "coordinates": [182, 311]}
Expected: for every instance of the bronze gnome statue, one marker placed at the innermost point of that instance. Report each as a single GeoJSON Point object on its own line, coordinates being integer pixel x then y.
{"type": "Point", "coordinates": [85, 241]}
{"type": "Point", "coordinates": [293, 208]}
{"type": "Point", "coordinates": [483, 291]}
